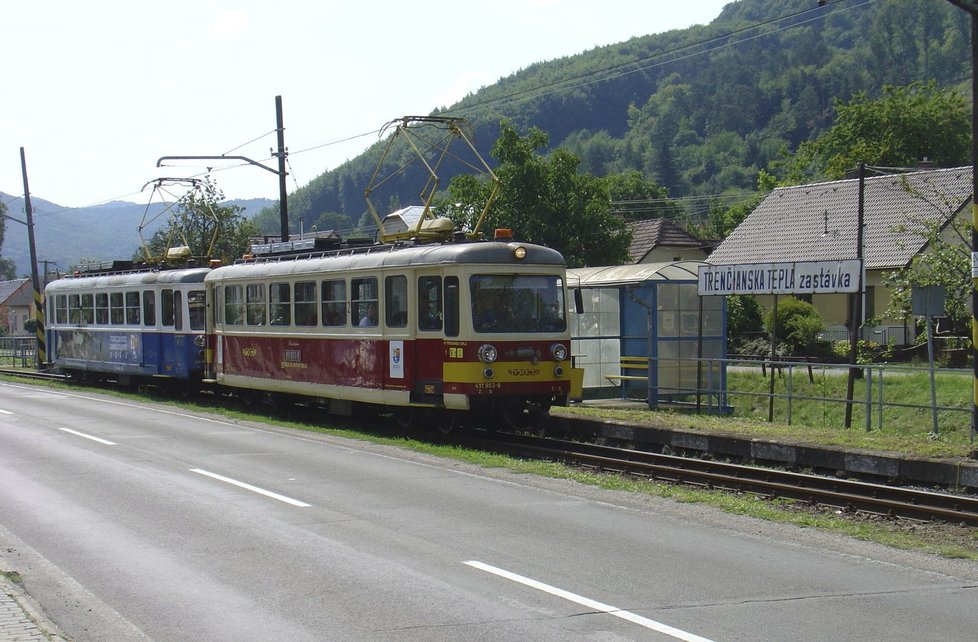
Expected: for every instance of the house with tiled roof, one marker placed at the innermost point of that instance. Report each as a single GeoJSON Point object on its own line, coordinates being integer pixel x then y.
{"type": "Point", "coordinates": [818, 222]}
{"type": "Point", "coordinates": [658, 240]}
{"type": "Point", "coordinates": [16, 305]}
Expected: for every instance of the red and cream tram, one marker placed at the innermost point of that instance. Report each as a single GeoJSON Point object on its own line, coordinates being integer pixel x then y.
{"type": "Point", "coordinates": [451, 332]}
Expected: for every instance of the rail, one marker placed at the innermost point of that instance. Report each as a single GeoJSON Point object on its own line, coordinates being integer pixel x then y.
{"type": "Point", "coordinates": [850, 495]}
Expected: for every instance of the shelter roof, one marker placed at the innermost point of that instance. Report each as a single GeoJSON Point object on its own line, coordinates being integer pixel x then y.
{"type": "Point", "coordinates": [619, 275]}
{"type": "Point", "coordinates": [817, 222]}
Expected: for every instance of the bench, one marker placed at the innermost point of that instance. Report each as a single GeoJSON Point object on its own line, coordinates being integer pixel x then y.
{"type": "Point", "coordinates": [626, 364]}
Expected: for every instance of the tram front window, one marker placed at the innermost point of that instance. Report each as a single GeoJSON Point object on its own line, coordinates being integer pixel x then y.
{"type": "Point", "coordinates": [517, 303]}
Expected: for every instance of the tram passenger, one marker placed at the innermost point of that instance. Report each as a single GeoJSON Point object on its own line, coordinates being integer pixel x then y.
{"type": "Point", "coordinates": [369, 319]}
{"type": "Point", "coordinates": [431, 318]}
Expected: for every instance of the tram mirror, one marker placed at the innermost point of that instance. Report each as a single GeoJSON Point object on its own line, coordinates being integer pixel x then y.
{"type": "Point", "coordinates": [578, 301]}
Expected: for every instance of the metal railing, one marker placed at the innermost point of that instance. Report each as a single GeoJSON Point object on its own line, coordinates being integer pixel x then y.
{"type": "Point", "coordinates": [18, 352]}
{"type": "Point", "coordinates": [778, 390]}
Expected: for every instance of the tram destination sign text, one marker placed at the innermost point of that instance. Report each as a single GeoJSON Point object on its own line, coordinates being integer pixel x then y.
{"type": "Point", "coordinates": [800, 277]}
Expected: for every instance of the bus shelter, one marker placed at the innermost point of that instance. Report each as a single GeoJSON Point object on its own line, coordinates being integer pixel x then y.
{"type": "Point", "coordinates": [645, 333]}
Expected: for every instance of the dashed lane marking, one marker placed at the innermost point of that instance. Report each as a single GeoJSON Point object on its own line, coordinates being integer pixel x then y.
{"type": "Point", "coordinates": [92, 437]}
{"type": "Point", "coordinates": [254, 489]}
{"type": "Point", "coordinates": [679, 634]}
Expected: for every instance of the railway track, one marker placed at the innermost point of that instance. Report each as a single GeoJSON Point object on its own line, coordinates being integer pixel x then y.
{"type": "Point", "coordinates": [27, 373]}
{"type": "Point", "coordinates": [848, 495]}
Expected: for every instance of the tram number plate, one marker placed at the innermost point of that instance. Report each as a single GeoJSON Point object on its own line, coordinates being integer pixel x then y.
{"type": "Point", "coordinates": [488, 385]}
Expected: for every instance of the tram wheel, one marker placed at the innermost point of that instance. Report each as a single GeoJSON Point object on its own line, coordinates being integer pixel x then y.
{"type": "Point", "coordinates": [446, 421]}
{"type": "Point", "coordinates": [405, 418]}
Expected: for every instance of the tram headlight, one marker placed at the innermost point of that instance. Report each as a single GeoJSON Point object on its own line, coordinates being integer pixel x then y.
{"type": "Point", "coordinates": [519, 252]}
{"type": "Point", "coordinates": [487, 353]}
{"type": "Point", "coordinates": [559, 351]}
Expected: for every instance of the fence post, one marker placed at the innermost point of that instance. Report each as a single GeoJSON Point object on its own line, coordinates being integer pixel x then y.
{"type": "Point", "coordinates": [880, 384]}
{"type": "Point", "coordinates": [869, 398]}
{"type": "Point", "coordinates": [791, 370]}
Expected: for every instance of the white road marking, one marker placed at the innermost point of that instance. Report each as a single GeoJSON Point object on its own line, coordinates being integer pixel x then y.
{"type": "Point", "coordinates": [93, 438]}
{"type": "Point", "coordinates": [5, 412]}
{"type": "Point", "coordinates": [254, 489]}
{"type": "Point", "coordinates": [589, 603]}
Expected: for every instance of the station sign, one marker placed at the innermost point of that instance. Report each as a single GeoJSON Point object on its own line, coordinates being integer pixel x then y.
{"type": "Point", "coordinates": [798, 277]}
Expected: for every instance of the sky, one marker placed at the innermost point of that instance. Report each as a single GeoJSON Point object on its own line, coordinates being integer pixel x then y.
{"type": "Point", "coordinates": [96, 92]}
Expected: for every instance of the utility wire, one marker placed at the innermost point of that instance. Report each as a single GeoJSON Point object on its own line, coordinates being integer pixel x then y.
{"type": "Point", "coordinates": [706, 46]}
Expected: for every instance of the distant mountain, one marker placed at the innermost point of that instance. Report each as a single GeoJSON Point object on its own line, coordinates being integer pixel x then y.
{"type": "Point", "coordinates": [701, 111]}
{"type": "Point", "coordinates": [65, 236]}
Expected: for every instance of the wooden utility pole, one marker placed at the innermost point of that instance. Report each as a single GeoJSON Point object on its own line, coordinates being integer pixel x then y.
{"type": "Point", "coordinates": [282, 154]}
{"type": "Point", "coordinates": [38, 303]}
{"type": "Point", "coordinates": [855, 307]}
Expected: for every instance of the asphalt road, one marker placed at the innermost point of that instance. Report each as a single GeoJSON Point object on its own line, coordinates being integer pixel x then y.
{"type": "Point", "coordinates": [140, 521]}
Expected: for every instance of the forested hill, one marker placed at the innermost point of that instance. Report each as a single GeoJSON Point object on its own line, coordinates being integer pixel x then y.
{"type": "Point", "coordinates": [699, 110]}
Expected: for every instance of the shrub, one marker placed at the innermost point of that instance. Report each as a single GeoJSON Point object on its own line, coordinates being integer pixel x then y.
{"type": "Point", "coordinates": [745, 321]}
{"type": "Point", "coordinates": [798, 325]}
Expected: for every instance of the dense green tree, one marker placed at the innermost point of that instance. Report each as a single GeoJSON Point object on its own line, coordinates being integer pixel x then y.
{"type": "Point", "coordinates": [635, 197]}
{"type": "Point", "coordinates": [201, 223]}
{"type": "Point", "coordinates": [904, 126]}
{"type": "Point", "coordinates": [545, 200]}
{"type": "Point", "coordinates": [724, 215]}
{"type": "Point", "coordinates": [8, 270]}
{"type": "Point", "coordinates": [946, 262]}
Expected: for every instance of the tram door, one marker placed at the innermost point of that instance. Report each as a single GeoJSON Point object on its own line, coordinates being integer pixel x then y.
{"type": "Point", "coordinates": [437, 319]}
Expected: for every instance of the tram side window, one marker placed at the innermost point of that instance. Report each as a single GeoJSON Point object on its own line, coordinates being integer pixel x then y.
{"type": "Point", "coordinates": [334, 303]}
{"type": "Point", "coordinates": [102, 308]}
{"type": "Point", "coordinates": [305, 304]}
{"type": "Point", "coordinates": [255, 293]}
{"type": "Point", "coordinates": [61, 309]}
{"type": "Point", "coordinates": [177, 310]}
{"type": "Point", "coordinates": [429, 303]}
{"type": "Point", "coordinates": [363, 302]}
{"type": "Point", "coordinates": [117, 309]}
{"type": "Point", "coordinates": [132, 308]}
{"type": "Point", "coordinates": [197, 306]}
{"type": "Point", "coordinates": [74, 308]}
{"type": "Point", "coordinates": [234, 305]}
{"type": "Point", "coordinates": [451, 306]}
{"type": "Point", "coordinates": [88, 308]}
{"type": "Point", "coordinates": [395, 301]}
{"type": "Point", "coordinates": [166, 311]}
{"type": "Point", "coordinates": [149, 308]}
{"type": "Point", "coordinates": [280, 303]}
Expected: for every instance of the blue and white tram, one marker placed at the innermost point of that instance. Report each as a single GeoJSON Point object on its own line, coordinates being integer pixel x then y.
{"type": "Point", "coordinates": [132, 327]}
